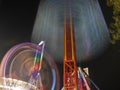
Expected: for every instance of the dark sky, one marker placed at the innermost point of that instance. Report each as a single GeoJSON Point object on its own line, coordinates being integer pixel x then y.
{"type": "Point", "coordinates": [16, 24]}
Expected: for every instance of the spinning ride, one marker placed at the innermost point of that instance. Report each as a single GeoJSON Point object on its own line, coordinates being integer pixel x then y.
{"type": "Point", "coordinates": [25, 63]}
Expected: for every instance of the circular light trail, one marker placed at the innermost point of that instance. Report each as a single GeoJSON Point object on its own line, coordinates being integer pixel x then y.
{"type": "Point", "coordinates": [19, 61]}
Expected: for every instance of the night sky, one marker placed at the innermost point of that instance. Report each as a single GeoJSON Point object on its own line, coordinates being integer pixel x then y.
{"type": "Point", "coordinates": [16, 24]}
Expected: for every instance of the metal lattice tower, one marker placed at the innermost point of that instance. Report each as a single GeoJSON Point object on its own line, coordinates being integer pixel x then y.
{"type": "Point", "coordinates": [70, 67]}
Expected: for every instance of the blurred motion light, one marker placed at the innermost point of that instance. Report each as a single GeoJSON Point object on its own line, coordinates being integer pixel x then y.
{"type": "Point", "coordinates": [17, 65]}
{"type": "Point", "coordinates": [91, 32]}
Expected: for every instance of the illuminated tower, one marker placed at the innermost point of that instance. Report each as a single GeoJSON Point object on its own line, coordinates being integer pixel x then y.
{"type": "Point", "coordinates": [79, 19]}
{"type": "Point", "coordinates": [70, 67]}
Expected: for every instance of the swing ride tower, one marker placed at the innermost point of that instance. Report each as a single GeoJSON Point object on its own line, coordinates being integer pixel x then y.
{"type": "Point", "coordinates": [70, 67]}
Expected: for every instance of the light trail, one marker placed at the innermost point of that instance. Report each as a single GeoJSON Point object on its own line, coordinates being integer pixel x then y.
{"type": "Point", "coordinates": [35, 78]}
{"type": "Point", "coordinates": [91, 32]}
{"type": "Point", "coordinates": [39, 56]}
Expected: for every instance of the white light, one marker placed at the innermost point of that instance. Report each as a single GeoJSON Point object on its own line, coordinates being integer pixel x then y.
{"type": "Point", "coordinates": [13, 84]}
{"type": "Point", "coordinates": [17, 88]}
